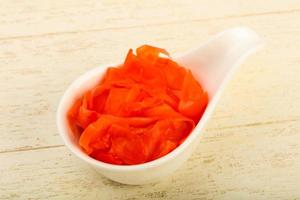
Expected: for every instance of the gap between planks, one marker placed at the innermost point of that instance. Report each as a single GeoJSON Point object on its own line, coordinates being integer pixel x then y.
{"type": "Point", "coordinates": [22, 149]}
{"type": "Point", "coordinates": [151, 25]}
{"type": "Point", "coordinates": [254, 124]}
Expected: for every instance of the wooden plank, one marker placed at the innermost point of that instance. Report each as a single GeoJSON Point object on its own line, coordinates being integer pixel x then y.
{"type": "Point", "coordinates": [37, 70]}
{"type": "Point", "coordinates": [250, 148]}
{"type": "Point", "coordinates": [29, 18]}
{"type": "Point", "coordinates": [243, 163]}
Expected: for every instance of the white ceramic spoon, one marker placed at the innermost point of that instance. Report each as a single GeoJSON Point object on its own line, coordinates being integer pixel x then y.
{"type": "Point", "coordinates": [212, 64]}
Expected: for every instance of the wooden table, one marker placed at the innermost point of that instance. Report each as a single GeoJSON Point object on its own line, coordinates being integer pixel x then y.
{"type": "Point", "coordinates": [251, 146]}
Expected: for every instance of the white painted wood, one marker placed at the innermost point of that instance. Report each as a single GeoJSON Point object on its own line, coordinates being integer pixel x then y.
{"type": "Point", "coordinates": [250, 149]}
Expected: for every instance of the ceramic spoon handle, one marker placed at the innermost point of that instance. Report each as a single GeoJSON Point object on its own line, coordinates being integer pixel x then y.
{"type": "Point", "coordinates": [216, 60]}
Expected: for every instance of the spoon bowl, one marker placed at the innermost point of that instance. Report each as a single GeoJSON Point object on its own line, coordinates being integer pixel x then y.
{"type": "Point", "coordinates": [212, 64]}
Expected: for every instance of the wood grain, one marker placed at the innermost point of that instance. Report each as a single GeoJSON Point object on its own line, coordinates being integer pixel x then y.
{"type": "Point", "coordinates": [250, 148]}
{"type": "Point", "coordinates": [33, 18]}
